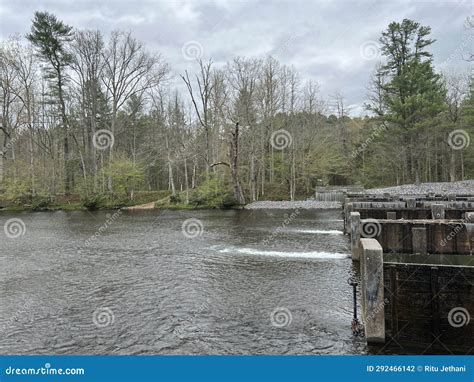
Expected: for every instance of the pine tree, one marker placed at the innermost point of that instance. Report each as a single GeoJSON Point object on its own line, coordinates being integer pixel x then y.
{"type": "Point", "coordinates": [413, 93]}
{"type": "Point", "coordinates": [51, 37]}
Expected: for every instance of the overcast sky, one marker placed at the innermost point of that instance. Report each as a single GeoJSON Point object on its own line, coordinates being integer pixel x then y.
{"type": "Point", "coordinates": [331, 42]}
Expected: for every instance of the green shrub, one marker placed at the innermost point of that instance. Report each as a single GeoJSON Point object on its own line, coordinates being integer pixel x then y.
{"type": "Point", "coordinates": [17, 184]}
{"type": "Point", "coordinates": [175, 199]}
{"type": "Point", "coordinates": [197, 199]}
{"type": "Point", "coordinates": [212, 193]}
{"type": "Point", "coordinates": [126, 176]}
{"type": "Point", "coordinates": [41, 202]}
{"type": "Point", "coordinates": [93, 202]}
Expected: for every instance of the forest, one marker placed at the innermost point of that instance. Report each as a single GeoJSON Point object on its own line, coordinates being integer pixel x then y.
{"type": "Point", "coordinates": [97, 121]}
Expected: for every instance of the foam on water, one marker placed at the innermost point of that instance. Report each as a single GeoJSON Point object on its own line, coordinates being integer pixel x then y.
{"type": "Point", "coordinates": [301, 255]}
{"type": "Point", "coordinates": [319, 231]}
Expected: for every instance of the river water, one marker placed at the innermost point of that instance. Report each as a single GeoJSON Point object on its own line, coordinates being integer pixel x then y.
{"type": "Point", "coordinates": [176, 282]}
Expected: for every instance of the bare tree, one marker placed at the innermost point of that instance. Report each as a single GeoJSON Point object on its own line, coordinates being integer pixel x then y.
{"type": "Point", "coordinates": [457, 88]}
{"type": "Point", "coordinates": [129, 70]}
{"type": "Point", "coordinates": [202, 102]}
{"type": "Point", "coordinates": [88, 64]}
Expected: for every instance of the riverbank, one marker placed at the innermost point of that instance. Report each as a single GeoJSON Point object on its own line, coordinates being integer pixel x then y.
{"type": "Point", "coordinates": [161, 200]}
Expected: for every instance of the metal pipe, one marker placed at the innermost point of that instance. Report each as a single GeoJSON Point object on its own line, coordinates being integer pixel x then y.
{"type": "Point", "coordinates": [356, 326]}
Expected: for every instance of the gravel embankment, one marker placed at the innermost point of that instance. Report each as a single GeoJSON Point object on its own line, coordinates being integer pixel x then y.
{"type": "Point", "coordinates": [304, 204]}
{"type": "Point", "coordinates": [465, 187]}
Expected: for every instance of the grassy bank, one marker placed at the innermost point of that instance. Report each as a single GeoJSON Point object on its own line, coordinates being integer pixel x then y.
{"type": "Point", "coordinates": [78, 202]}
{"type": "Point", "coordinates": [211, 194]}
{"type": "Point", "coordinates": [161, 200]}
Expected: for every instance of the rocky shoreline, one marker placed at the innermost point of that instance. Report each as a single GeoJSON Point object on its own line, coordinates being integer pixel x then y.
{"type": "Point", "coordinates": [288, 204]}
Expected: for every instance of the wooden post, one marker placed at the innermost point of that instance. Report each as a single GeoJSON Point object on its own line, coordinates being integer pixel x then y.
{"type": "Point", "coordinates": [348, 208]}
{"type": "Point", "coordinates": [437, 211]}
{"type": "Point", "coordinates": [391, 215]}
{"type": "Point", "coordinates": [434, 280]}
{"type": "Point", "coordinates": [373, 311]}
{"type": "Point", "coordinates": [418, 240]}
{"type": "Point", "coordinates": [355, 235]}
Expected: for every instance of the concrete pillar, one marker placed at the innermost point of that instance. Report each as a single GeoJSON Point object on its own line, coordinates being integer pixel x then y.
{"type": "Point", "coordinates": [355, 235]}
{"type": "Point", "coordinates": [469, 224]}
{"type": "Point", "coordinates": [411, 202]}
{"type": "Point", "coordinates": [437, 211]}
{"type": "Point", "coordinates": [469, 217]}
{"type": "Point", "coordinates": [419, 241]}
{"type": "Point", "coordinates": [391, 215]}
{"type": "Point", "coordinates": [373, 307]}
{"type": "Point", "coordinates": [347, 216]}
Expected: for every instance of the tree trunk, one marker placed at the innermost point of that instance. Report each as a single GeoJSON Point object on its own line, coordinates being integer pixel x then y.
{"type": "Point", "coordinates": [170, 170]}
{"type": "Point", "coordinates": [452, 167]}
{"type": "Point", "coordinates": [67, 165]}
{"type": "Point", "coordinates": [1, 167]}
{"type": "Point", "coordinates": [186, 180]}
{"type": "Point", "coordinates": [32, 164]}
{"type": "Point", "coordinates": [234, 166]}
{"type": "Point", "coordinates": [253, 178]}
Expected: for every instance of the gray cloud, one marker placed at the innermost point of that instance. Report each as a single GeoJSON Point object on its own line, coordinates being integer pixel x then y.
{"type": "Point", "coordinates": [321, 39]}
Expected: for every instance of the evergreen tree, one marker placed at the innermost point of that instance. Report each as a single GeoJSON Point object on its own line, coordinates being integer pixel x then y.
{"type": "Point", "coordinates": [413, 93]}
{"type": "Point", "coordinates": [50, 37]}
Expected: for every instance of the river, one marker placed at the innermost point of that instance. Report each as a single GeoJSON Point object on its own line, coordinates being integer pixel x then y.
{"type": "Point", "coordinates": [176, 282]}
